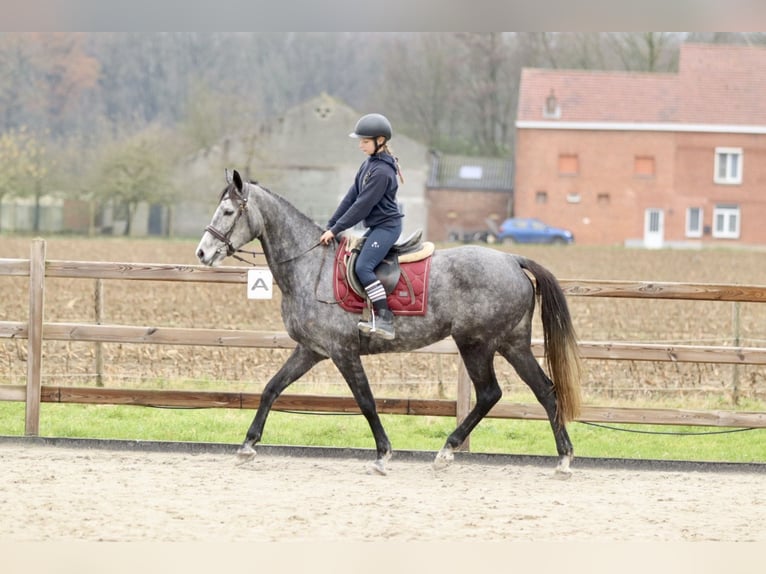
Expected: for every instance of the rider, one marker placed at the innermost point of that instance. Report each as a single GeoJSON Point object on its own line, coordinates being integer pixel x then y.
{"type": "Point", "coordinates": [372, 200]}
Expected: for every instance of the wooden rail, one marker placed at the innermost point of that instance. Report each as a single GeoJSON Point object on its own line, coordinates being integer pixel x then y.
{"type": "Point", "coordinates": [343, 404]}
{"type": "Point", "coordinates": [604, 350]}
{"type": "Point", "coordinates": [35, 331]}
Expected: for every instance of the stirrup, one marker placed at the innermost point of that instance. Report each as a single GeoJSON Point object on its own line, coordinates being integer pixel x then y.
{"type": "Point", "coordinates": [373, 327]}
{"type": "Point", "coordinates": [367, 327]}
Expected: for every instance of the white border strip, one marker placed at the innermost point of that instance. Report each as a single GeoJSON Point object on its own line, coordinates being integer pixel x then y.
{"type": "Point", "coordinates": [642, 127]}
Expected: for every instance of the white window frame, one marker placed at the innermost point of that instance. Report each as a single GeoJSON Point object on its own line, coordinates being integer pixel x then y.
{"type": "Point", "coordinates": [724, 157]}
{"type": "Point", "coordinates": [726, 212]}
{"type": "Point", "coordinates": [694, 232]}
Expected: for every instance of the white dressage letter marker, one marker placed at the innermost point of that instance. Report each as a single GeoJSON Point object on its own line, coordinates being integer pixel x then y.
{"type": "Point", "coordinates": [260, 284]}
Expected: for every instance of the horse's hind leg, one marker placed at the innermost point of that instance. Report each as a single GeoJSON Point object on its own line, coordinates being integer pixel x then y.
{"type": "Point", "coordinates": [298, 364]}
{"type": "Point", "coordinates": [350, 366]}
{"type": "Point", "coordinates": [533, 375]}
{"type": "Point", "coordinates": [478, 360]}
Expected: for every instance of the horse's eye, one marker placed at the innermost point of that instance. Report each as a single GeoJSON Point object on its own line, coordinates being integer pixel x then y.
{"type": "Point", "coordinates": [228, 212]}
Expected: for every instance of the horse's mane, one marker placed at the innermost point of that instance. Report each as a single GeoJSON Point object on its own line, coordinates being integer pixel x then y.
{"type": "Point", "coordinates": [281, 200]}
{"type": "Point", "coordinates": [286, 203]}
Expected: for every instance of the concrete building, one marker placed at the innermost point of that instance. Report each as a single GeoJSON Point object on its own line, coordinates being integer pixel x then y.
{"type": "Point", "coordinates": [306, 156]}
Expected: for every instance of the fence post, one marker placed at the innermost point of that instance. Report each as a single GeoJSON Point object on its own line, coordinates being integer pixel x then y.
{"type": "Point", "coordinates": [35, 336]}
{"type": "Point", "coordinates": [99, 311]}
{"type": "Point", "coordinates": [735, 367]}
{"type": "Point", "coordinates": [463, 400]}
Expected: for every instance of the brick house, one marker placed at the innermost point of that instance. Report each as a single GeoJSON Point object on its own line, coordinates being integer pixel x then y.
{"type": "Point", "coordinates": [645, 158]}
{"type": "Point", "coordinates": [467, 195]}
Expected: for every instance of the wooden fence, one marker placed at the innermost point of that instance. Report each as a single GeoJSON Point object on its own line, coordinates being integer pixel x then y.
{"type": "Point", "coordinates": [38, 268]}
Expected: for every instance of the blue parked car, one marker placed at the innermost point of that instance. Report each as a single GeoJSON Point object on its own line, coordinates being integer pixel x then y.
{"type": "Point", "coordinates": [531, 230]}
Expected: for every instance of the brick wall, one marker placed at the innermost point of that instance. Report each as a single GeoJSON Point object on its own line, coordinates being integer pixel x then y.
{"type": "Point", "coordinates": [463, 210]}
{"type": "Point", "coordinates": [605, 202]}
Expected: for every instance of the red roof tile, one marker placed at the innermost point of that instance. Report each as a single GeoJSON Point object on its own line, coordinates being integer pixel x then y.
{"type": "Point", "coordinates": [722, 84]}
{"type": "Point", "coordinates": [716, 84]}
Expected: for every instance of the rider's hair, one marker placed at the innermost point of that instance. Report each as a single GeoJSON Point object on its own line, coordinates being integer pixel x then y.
{"type": "Point", "coordinates": [386, 147]}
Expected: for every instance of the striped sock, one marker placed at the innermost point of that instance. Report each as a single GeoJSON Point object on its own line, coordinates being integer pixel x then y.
{"type": "Point", "coordinates": [375, 291]}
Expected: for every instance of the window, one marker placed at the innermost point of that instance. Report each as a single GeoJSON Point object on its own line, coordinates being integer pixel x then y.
{"type": "Point", "coordinates": [551, 109]}
{"type": "Point", "coordinates": [653, 220]}
{"type": "Point", "coordinates": [574, 197]}
{"type": "Point", "coordinates": [569, 164]}
{"type": "Point", "coordinates": [643, 166]}
{"type": "Point", "coordinates": [728, 165]}
{"type": "Point", "coordinates": [603, 199]}
{"type": "Point", "coordinates": [726, 221]}
{"type": "Point", "coordinates": [693, 222]}
{"type": "Point", "coordinates": [471, 172]}
{"type": "Point", "coordinates": [541, 197]}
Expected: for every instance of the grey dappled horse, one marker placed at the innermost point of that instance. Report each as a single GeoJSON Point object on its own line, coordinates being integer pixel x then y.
{"type": "Point", "coordinates": [479, 296]}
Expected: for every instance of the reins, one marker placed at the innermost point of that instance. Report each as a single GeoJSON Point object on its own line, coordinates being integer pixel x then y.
{"type": "Point", "coordinates": [301, 254]}
{"type": "Point", "coordinates": [231, 251]}
{"type": "Point", "coordinates": [250, 253]}
{"type": "Point", "coordinates": [254, 253]}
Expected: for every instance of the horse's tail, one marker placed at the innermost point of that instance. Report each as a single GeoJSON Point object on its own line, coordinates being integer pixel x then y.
{"type": "Point", "coordinates": [560, 341]}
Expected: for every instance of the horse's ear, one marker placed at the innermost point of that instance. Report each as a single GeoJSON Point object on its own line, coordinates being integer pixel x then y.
{"type": "Point", "coordinates": [238, 181]}
{"type": "Point", "coordinates": [227, 173]}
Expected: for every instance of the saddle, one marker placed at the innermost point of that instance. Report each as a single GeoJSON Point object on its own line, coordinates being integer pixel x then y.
{"type": "Point", "coordinates": [388, 271]}
{"type": "Point", "coordinates": [403, 274]}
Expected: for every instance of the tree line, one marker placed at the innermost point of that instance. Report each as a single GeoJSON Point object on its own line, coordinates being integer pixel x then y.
{"type": "Point", "coordinates": [107, 115]}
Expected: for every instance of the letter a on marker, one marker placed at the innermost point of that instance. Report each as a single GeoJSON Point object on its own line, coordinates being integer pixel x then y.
{"type": "Point", "coordinates": [259, 284]}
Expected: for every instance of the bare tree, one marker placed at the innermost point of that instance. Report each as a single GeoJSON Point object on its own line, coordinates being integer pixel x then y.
{"type": "Point", "coordinates": [421, 85]}
{"type": "Point", "coordinates": [455, 92]}
{"type": "Point", "coordinates": [539, 49]}
{"type": "Point", "coordinates": [489, 88]}
{"type": "Point", "coordinates": [647, 51]}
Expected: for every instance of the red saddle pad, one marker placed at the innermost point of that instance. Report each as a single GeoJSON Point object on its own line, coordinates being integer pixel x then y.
{"type": "Point", "coordinates": [406, 299]}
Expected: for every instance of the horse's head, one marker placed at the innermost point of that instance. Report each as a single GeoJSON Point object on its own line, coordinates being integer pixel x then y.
{"type": "Point", "coordinates": [235, 222]}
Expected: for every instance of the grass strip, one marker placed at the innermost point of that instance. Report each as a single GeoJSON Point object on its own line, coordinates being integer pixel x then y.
{"type": "Point", "coordinates": [405, 432]}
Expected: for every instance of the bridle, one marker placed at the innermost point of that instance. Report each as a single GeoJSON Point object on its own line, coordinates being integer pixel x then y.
{"type": "Point", "coordinates": [225, 238]}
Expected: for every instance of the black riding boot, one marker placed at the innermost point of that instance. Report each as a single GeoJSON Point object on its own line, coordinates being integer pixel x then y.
{"type": "Point", "coordinates": [381, 324]}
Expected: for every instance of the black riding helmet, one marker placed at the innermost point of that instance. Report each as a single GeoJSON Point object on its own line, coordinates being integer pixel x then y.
{"type": "Point", "coordinates": [372, 126]}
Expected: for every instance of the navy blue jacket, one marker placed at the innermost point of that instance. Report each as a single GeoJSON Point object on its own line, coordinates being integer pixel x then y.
{"type": "Point", "coordinates": [372, 197]}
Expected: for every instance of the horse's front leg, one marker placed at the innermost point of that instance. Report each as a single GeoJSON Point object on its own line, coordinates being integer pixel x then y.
{"type": "Point", "coordinates": [350, 366]}
{"type": "Point", "coordinates": [298, 364]}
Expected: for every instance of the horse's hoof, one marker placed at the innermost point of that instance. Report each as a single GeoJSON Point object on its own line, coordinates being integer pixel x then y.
{"type": "Point", "coordinates": [443, 459]}
{"type": "Point", "coordinates": [563, 472]}
{"type": "Point", "coordinates": [377, 467]}
{"type": "Point", "coordinates": [245, 454]}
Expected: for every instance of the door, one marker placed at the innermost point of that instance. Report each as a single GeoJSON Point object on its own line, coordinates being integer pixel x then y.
{"type": "Point", "coordinates": [654, 228]}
